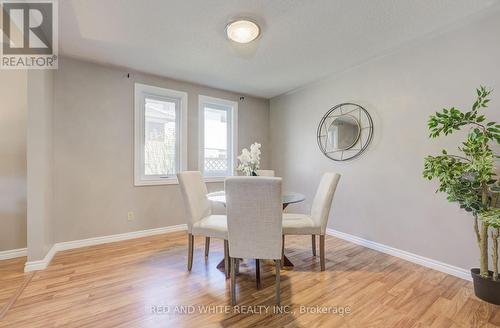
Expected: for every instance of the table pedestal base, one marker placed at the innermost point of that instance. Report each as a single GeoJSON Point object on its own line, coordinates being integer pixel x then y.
{"type": "Point", "coordinates": [287, 262]}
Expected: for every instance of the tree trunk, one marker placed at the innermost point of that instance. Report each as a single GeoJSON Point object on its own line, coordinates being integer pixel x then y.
{"type": "Point", "coordinates": [476, 230]}
{"type": "Point", "coordinates": [494, 236]}
{"type": "Point", "coordinates": [483, 243]}
{"type": "Point", "coordinates": [483, 248]}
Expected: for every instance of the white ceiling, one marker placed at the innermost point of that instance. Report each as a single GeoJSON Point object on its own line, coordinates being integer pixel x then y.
{"type": "Point", "coordinates": [302, 40]}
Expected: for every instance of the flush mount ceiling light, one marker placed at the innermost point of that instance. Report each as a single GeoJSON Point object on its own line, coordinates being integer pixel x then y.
{"type": "Point", "coordinates": [242, 31]}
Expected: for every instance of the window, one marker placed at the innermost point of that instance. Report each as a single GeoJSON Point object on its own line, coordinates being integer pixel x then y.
{"type": "Point", "coordinates": [218, 136]}
{"type": "Point", "coordinates": [160, 134]}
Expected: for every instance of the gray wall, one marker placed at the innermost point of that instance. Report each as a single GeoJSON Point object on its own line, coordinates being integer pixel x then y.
{"type": "Point", "coordinates": [93, 150]}
{"type": "Point", "coordinates": [40, 193]}
{"type": "Point", "coordinates": [13, 115]}
{"type": "Point", "coordinates": [382, 196]}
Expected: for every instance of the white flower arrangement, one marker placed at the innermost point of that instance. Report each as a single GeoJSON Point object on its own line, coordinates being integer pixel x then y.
{"type": "Point", "coordinates": [250, 160]}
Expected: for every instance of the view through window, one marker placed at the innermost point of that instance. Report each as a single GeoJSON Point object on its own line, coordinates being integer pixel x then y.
{"type": "Point", "coordinates": [216, 141]}
{"type": "Point", "coordinates": [160, 142]}
{"type": "Point", "coordinates": [218, 135]}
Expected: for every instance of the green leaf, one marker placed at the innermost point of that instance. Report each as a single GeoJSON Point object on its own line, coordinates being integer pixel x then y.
{"type": "Point", "coordinates": [462, 177]}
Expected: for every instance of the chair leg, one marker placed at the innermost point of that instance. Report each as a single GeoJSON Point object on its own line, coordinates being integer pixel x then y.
{"type": "Point", "coordinates": [313, 237]}
{"type": "Point", "coordinates": [237, 266]}
{"type": "Point", "coordinates": [257, 272]}
{"type": "Point", "coordinates": [278, 266]}
{"type": "Point", "coordinates": [282, 250]}
{"type": "Point", "coordinates": [322, 251]}
{"type": "Point", "coordinates": [233, 281]}
{"type": "Point", "coordinates": [207, 245]}
{"type": "Point", "coordinates": [190, 251]}
{"type": "Point", "coordinates": [226, 258]}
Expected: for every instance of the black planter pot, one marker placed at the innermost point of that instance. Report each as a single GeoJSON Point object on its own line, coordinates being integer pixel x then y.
{"type": "Point", "coordinates": [485, 288]}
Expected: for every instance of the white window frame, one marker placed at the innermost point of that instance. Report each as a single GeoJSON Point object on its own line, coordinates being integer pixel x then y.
{"type": "Point", "coordinates": [141, 91]}
{"type": "Point", "coordinates": [232, 145]}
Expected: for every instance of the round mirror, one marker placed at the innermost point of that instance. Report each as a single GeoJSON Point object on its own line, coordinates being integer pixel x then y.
{"type": "Point", "coordinates": [343, 133]}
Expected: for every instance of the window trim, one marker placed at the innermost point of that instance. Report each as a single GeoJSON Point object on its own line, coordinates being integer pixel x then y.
{"type": "Point", "coordinates": [140, 90]}
{"type": "Point", "coordinates": [202, 100]}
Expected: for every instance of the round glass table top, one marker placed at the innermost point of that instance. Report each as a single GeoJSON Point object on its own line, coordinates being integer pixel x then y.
{"type": "Point", "coordinates": [286, 198]}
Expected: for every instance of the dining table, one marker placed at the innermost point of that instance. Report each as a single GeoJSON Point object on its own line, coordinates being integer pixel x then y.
{"type": "Point", "coordinates": [287, 198]}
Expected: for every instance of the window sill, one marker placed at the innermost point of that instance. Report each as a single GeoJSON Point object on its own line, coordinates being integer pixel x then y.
{"type": "Point", "coordinates": [214, 179]}
{"type": "Point", "coordinates": [174, 181]}
{"type": "Point", "coordinates": [170, 181]}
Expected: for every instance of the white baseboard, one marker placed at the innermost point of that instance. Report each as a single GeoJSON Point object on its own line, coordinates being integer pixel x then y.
{"type": "Point", "coordinates": [42, 264]}
{"type": "Point", "coordinates": [13, 253]}
{"type": "Point", "coordinates": [424, 261]}
{"type": "Point", "coordinates": [119, 237]}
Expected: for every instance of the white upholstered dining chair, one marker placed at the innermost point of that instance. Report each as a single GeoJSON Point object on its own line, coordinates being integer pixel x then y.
{"type": "Point", "coordinates": [255, 218]}
{"type": "Point", "coordinates": [201, 221]}
{"type": "Point", "coordinates": [265, 173]}
{"type": "Point", "coordinates": [315, 223]}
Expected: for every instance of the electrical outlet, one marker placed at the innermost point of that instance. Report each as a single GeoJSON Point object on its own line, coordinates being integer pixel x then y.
{"type": "Point", "coordinates": [130, 216]}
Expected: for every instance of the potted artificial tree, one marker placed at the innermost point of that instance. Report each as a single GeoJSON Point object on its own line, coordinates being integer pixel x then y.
{"type": "Point", "coordinates": [470, 180]}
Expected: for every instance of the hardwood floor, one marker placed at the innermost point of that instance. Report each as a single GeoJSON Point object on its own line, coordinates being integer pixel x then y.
{"type": "Point", "coordinates": [12, 278]}
{"type": "Point", "coordinates": [122, 285]}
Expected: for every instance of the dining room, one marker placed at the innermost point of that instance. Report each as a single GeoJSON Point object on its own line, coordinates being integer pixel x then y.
{"type": "Point", "coordinates": [249, 163]}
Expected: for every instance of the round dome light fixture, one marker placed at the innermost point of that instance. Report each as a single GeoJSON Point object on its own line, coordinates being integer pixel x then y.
{"type": "Point", "coordinates": [242, 31]}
